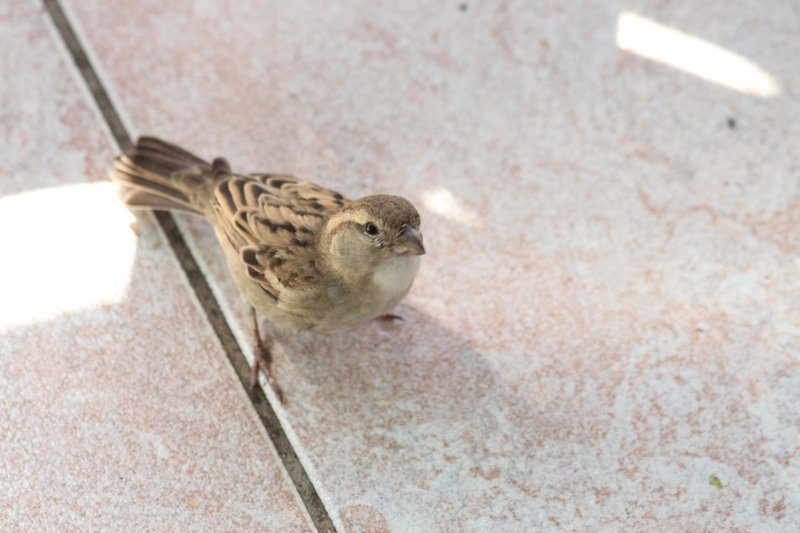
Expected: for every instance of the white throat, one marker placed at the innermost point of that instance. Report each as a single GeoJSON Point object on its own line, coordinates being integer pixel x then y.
{"type": "Point", "coordinates": [396, 274]}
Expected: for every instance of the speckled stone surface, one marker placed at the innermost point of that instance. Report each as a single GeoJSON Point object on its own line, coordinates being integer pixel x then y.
{"type": "Point", "coordinates": [609, 312]}
{"type": "Point", "coordinates": [118, 409]}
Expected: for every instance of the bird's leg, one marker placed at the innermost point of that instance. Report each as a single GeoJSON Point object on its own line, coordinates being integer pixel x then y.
{"type": "Point", "coordinates": [262, 362]}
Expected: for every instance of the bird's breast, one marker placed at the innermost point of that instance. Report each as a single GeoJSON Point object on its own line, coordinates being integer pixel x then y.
{"type": "Point", "coordinates": [394, 277]}
{"type": "Point", "coordinates": [341, 307]}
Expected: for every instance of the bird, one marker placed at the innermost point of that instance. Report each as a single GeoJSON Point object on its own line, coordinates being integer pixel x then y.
{"type": "Point", "coordinates": [304, 256]}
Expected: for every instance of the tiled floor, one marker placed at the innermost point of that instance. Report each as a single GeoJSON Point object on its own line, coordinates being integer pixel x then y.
{"type": "Point", "coordinates": [607, 321]}
{"type": "Point", "coordinates": [112, 417]}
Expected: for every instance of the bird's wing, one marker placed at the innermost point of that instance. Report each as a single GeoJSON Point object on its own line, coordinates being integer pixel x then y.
{"type": "Point", "coordinates": [273, 221]}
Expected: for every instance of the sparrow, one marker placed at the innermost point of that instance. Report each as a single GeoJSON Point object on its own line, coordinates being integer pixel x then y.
{"type": "Point", "coordinates": [303, 256]}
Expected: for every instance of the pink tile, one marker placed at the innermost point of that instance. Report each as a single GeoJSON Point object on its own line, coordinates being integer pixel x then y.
{"type": "Point", "coordinates": [608, 313]}
{"type": "Point", "coordinates": [118, 407]}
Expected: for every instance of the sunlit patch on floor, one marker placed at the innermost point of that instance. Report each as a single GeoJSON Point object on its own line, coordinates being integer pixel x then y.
{"type": "Point", "coordinates": [441, 201]}
{"type": "Point", "coordinates": [649, 39]}
{"type": "Point", "coordinates": [64, 249]}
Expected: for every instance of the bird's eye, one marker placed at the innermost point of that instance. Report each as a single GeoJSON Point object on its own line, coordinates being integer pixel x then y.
{"type": "Point", "coordinates": [370, 228]}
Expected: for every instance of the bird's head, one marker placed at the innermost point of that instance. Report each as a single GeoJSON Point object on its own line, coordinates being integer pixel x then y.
{"type": "Point", "coordinates": [370, 233]}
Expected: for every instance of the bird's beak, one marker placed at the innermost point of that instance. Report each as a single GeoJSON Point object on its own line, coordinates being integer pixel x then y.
{"type": "Point", "coordinates": [409, 243]}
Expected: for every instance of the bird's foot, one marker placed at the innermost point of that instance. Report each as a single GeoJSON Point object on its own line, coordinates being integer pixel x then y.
{"type": "Point", "coordinates": [390, 318]}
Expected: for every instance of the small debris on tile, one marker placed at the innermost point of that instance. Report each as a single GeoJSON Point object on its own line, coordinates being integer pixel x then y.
{"type": "Point", "coordinates": [731, 122]}
{"type": "Point", "coordinates": [714, 481]}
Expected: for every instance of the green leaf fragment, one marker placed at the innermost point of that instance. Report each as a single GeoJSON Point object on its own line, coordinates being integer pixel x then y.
{"type": "Point", "coordinates": [714, 481]}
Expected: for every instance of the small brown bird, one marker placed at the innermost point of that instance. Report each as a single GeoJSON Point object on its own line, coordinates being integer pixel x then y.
{"type": "Point", "coordinates": [305, 257]}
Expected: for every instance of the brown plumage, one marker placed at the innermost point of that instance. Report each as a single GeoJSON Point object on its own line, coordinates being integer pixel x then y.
{"type": "Point", "coordinates": [304, 256]}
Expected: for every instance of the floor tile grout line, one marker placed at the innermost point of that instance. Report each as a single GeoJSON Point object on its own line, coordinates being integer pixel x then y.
{"type": "Point", "coordinates": [198, 282]}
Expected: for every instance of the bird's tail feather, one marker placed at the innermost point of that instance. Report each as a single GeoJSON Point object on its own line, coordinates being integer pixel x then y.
{"type": "Point", "coordinates": [159, 175]}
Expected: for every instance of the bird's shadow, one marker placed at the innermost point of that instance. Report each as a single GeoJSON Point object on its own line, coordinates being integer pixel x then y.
{"type": "Point", "coordinates": [408, 388]}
